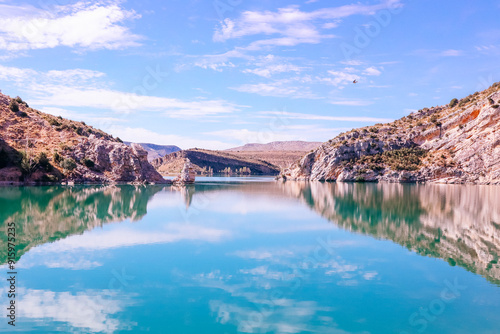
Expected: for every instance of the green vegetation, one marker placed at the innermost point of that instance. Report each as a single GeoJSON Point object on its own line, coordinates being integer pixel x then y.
{"type": "Point", "coordinates": [43, 160]}
{"type": "Point", "coordinates": [49, 178]}
{"type": "Point", "coordinates": [453, 103]}
{"type": "Point", "coordinates": [28, 164]}
{"type": "Point", "coordinates": [409, 159]}
{"type": "Point", "coordinates": [54, 122]}
{"type": "Point", "coordinates": [57, 158]}
{"type": "Point", "coordinates": [68, 164]}
{"type": "Point", "coordinates": [14, 106]}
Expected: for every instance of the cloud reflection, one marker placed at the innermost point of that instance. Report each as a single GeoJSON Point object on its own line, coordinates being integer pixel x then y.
{"type": "Point", "coordinates": [92, 310]}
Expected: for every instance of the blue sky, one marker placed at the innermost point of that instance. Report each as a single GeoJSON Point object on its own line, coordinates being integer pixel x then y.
{"type": "Point", "coordinates": [217, 74]}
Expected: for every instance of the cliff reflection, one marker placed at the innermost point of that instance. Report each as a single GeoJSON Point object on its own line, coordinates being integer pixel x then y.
{"type": "Point", "coordinates": [460, 224]}
{"type": "Point", "coordinates": [46, 214]}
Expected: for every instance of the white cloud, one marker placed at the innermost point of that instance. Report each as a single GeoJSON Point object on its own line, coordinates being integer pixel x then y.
{"type": "Point", "coordinates": [354, 103]}
{"type": "Point", "coordinates": [278, 88]}
{"type": "Point", "coordinates": [290, 24]}
{"type": "Point", "coordinates": [303, 132]}
{"type": "Point", "coordinates": [68, 77]}
{"type": "Point", "coordinates": [85, 25]}
{"type": "Point", "coordinates": [338, 78]}
{"type": "Point", "coordinates": [437, 53]}
{"type": "Point", "coordinates": [268, 70]}
{"type": "Point", "coordinates": [141, 135]}
{"type": "Point", "coordinates": [372, 71]}
{"type": "Point", "coordinates": [451, 53]}
{"type": "Point", "coordinates": [81, 88]}
{"type": "Point", "coordinates": [216, 62]}
{"type": "Point", "coordinates": [127, 102]}
{"type": "Point", "coordinates": [352, 62]}
{"type": "Point", "coordinates": [248, 136]}
{"type": "Point", "coordinates": [302, 116]}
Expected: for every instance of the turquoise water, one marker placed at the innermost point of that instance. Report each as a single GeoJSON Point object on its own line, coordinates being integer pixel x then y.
{"type": "Point", "coordinates": [250, 255]}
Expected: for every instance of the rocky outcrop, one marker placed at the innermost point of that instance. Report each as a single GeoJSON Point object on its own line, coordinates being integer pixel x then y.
{"type": "Point", "coordinates": [459, 143]}
{"type": "Point", "coordinates": [214, 161]}
{"type": "Point", "coordinates": [38, 148]}
{"type": "Point", "coordinates": [113, 163]}
{"type": "Point", "coordinates": [187, 175]}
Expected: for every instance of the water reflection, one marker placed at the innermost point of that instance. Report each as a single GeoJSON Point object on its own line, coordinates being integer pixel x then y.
{"type": "Point", "coordinates": [244, 257]}
{"type": "Point", "coordinates": [457, 223]}
{"type": "Point", "coordinates": [46, 214]}
{"type": "Point", "coordinates": [460, 224]}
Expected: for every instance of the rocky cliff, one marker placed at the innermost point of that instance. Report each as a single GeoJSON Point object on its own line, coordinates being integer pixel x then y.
{"type": "Point", "coordinates": [207, 161]}
{"type": "Point", "coordinates": [457, 143]}
{"type": "Point", "coordinates": [40, 148]}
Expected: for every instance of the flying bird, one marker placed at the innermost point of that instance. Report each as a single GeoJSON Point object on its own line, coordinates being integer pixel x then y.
{"type": "Point", "coordinates": [355, 81]}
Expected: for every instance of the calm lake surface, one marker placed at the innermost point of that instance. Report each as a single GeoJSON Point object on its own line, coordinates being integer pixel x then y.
{"type": "Point", "coordinates": [250, 255]}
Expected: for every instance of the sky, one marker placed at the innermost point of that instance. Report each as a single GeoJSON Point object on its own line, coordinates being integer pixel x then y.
{"type": "Point", "coordinates": [221, 73]}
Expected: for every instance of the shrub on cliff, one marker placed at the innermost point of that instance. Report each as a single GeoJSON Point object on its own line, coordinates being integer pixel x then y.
{"type": "Point", "coordinates": [57, 158]}
{"type": "Point", "coordinates": [43, 160]}
{"type": "Point", "coordinates": [14, 106]}
{"type": "Point", "coordinates": [68, 164]}
{"type": "Point", "coordinates": [453, 103]}
{"type": "Point", "coordinates": [28, 164]}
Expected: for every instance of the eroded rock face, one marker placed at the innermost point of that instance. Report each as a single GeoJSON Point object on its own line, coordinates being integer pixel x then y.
{"type": "Point", "coordinates": [187, 175]}
{"type": "Point", "coordinates": [462, 145]}
{"type": "Point", "coordinates": [113, 163]}
{"type": "Point", "coordinates": [38, 148]}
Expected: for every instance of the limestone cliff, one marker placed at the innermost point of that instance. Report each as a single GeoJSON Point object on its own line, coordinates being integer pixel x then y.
{"type": "Point", "coordinates": [457, 143]}
{"type": "Point", "coordinates": [40, 148]}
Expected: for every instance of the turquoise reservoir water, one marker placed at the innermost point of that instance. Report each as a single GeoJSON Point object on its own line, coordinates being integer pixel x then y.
{"type": "Point", "coordinates": [250, 255]}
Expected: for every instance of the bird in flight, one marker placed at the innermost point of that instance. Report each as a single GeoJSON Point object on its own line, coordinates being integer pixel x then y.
{"type": "Point", "coordinates": [355, 81]}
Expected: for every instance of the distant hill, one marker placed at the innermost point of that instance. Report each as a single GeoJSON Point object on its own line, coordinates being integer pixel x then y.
{"type": "Point", "coordinates": [207, 161]}
{"type": "Point", "coordinates": [36, 147]}
{"type": "Point", "coordinates": [304, 146]}
{"type": "Point", "coordinates": [454, 143]}
{"type": "Point", "coordinates": [157, 151]}
{"type": "Point", "coordinates": [279, 153]}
